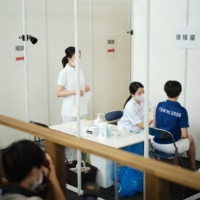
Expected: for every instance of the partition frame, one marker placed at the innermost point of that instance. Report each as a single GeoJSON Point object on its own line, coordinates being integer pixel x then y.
{"type": "Point", "coordinates": [25, 63]}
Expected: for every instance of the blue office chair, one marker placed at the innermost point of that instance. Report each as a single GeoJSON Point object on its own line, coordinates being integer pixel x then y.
{"type": "Point", "coordinates": [114, 116]}
{"type": "Point", "coordinates": [163, 134]}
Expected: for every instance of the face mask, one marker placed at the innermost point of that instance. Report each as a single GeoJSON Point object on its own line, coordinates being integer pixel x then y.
{"type": "Point", "coordinates": [74, 63]}
{"type": "Point", "coordinates": [37, 183]}
{"type": "Point", "coordinates": [140, 98]}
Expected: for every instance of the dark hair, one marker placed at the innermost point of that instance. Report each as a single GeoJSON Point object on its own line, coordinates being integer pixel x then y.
{"type": "Point", "coordinates": [70, 51]}
{"type": "Point", "coordinates": [134, 86]}
{"type": "Point", "coordinates": [19, 159]}
{"type": "Point", "coordinates": [172, 88]}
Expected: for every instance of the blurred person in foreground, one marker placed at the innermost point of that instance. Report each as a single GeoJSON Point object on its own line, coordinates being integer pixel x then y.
{"type": "Point", "coordinates": [27, 168]}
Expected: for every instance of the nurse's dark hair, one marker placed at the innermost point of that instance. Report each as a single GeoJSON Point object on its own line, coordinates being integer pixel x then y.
{"type": "Point", "coordinates": [70, 51]}
{"type": "Point", "coordinates": [133, 87]}
{"type": "Point", "coordinates": [20, 158]}
{"type": "Point", "coordinates": [172, 88]}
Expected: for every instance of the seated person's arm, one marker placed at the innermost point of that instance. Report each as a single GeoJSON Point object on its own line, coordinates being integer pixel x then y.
{"type": "Point", "coordinates": [141, 124]}
{"type": "Point", "coordinates": [184, 133]}
{"type": "Point", "coordinates": [54, 184]}
{"type": "Point", "coordinates": [135, 119]}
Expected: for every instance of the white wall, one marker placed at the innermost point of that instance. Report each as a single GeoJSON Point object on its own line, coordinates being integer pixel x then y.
{"type": "Point", "coordinates": [193, 95]}
{"type": "Point", "coordinates": [36, 62]}
{"type": "Point", "coordinates": [166, 62]}
{"type": "Point", "coordinates": [11, 77]}
{"type": "Point", "coordinates": [60, 35]}
{"type": "Point", "coordinates": [60, 20]}
{"type": "Point", "coordinates": [111, 76]}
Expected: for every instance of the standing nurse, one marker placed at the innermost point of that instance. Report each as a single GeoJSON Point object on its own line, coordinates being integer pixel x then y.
{"type": "Point", "coordinates": [133, 116]}
{"type": "Point", "coordinates": [66, 88]}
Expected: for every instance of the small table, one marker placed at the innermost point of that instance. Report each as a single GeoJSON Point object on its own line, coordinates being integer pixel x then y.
{"type": "Point", "coordinates": [104, 165]}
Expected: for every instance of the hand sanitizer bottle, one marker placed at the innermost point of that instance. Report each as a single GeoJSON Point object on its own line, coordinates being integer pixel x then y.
{"type": "Point", "coordinates": [98, 119]}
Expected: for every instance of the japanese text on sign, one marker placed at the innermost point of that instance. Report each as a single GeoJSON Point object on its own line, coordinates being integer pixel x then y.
{"type": "Point", "coordinates": [186, 37]}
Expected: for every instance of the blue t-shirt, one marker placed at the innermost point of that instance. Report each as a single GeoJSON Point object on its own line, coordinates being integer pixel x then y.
{"type": "Point", "coordinates": [171, 116]}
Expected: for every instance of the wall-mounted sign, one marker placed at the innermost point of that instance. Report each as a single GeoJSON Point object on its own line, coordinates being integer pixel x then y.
{"type": "Point", "coordinates": [186, 37]}
{"type": "Point", "coordinates": [111, 46]}
{"type": "Point", "coordinates": [18, 47]}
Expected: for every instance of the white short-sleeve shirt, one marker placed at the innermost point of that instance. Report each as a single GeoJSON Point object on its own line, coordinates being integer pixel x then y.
{"type": "Point", "coordinates": [133, 115]}
{"type": "Point", "coordinates": [67, 78]}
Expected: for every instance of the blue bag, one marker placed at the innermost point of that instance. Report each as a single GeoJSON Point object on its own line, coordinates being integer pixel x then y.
{"type": "Point", "coordinates": [130, 181]}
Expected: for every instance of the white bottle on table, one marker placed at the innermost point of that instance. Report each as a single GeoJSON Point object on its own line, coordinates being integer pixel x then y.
{"type": "Point", "coordinates": [96, 121]}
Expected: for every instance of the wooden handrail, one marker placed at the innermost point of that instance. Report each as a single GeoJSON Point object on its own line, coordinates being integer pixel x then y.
{"type": "Point", "coordinates": [157, 169]}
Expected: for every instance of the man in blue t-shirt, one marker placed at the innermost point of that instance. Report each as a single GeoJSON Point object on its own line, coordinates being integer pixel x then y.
{"type": "Point", "coordinates": [172, 117]}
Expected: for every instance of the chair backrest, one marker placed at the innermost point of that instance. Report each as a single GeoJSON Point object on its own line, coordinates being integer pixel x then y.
{"type": "Point", "coordinates": [39, 124]}
{"type": "Point", "coordinates": [113, 116]}
{"type": "Point", "coordinates": [160, 133]}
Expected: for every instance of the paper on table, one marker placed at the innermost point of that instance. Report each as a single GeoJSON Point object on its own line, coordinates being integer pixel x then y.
{"type": "Point", "coordinates": [84, 100]}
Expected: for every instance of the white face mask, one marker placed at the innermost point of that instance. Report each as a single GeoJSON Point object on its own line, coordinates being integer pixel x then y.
{"type": "Point", "coordinates": [74, 63]}
{"type": "Point", "coordinates": [37, 183]}
{"type": "Point", "coordinates": [140, 98]}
